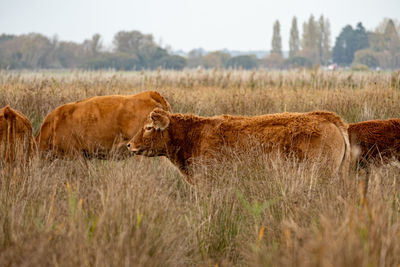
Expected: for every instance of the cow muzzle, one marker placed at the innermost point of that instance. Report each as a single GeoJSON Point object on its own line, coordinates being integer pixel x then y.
{"type": "Point", "coordinates": [132, 148]}
{"type": "Point", "coordinates": [140, 151]}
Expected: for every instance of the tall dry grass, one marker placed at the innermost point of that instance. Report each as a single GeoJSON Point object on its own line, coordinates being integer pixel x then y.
{"type": "Point", "coordinates": [245, 210]}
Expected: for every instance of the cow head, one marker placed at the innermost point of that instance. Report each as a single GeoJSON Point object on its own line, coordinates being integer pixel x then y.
{"type": "Point", "coordinates": [152, 139]}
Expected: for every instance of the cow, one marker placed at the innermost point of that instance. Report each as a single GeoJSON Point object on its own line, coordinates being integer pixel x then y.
{"type": "Point", "coordinates": [184, 138]}
{"type": "Point", "coordinates": [97, 127]}
{"type": "Point", "coordinates": [16, 140]}
{"type": "Point", "coordinates": [377, 140]}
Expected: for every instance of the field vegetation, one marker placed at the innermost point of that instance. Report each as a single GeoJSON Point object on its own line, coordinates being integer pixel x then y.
{"type": "Point", "coordinates": [247, 210]}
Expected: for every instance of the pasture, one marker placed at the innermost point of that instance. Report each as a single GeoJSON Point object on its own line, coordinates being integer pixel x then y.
{"type": "Point", "coordinates": [247, 210]}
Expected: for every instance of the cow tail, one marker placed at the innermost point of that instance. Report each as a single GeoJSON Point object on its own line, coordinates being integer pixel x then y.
{"type": "Point", "coordinates": [28, 145]}
{"type": "Point", "coordinates": [10, 139]}
{"type": "Point", "coordinates": [345, 164]}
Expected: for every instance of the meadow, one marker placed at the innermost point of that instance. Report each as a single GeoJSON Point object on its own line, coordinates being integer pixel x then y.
{"type": "Point", "coordinates": [246, 210]}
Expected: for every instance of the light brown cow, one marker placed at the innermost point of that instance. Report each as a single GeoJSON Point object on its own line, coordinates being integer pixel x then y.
{"type": "Point", "coordinates": [16, 140]}
{"type": "Point", "coordinates": [378, 140]}
{"type": "Point", "coordinates": [97, 127]}
{"type": "Point", "coordinates": [185, 138]}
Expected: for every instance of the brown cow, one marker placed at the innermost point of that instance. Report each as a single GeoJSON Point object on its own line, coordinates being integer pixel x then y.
{"type": "Point", "coordinates": [97, 127]}
{"type": "Point", "coordinates": [378, 140]}
{"type": "Point", "coordinates": [185, 138]}
{"type": "Point", "coordinates": [16, 139]}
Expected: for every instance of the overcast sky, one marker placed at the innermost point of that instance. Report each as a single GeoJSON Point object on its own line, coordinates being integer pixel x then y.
{"type": "Point", "coordinates": [187, 24]}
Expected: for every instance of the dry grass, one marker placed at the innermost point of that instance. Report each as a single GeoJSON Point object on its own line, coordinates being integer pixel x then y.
{"type": "Point", "coordinates": [243, 211]}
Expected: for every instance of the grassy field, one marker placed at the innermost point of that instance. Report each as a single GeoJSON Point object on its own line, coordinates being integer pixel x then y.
{"type": "Point", "coordinates": [246, 211]}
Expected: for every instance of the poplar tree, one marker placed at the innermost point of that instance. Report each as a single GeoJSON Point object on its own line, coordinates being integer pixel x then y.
{"type": "Point", "coordinates": [324, 35]}
{"type": "Point", "coordinates": [276, 40]}
{"type": "Point", "coordinates": [310, 40]}
{"type": "Point", "coordinates": [392, 45]}
{"type": "Point", "coordinates": [294, 41]}
{"type": "Point", "coordinates": [391, 36]}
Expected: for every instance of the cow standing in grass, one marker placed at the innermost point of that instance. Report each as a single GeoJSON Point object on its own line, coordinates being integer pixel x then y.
{"type": "Point", "coordinates": [186, 138]}
{"type": "Point", "coordinates": [16, 140]}
{"type": "Point", "coordinates": [97, 127]}
{"type": "Point", "coordinates": [378, 141]}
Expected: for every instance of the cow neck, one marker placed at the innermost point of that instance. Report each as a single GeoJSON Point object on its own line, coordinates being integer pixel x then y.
{"type": "Point", "coordinates": [185, 136]}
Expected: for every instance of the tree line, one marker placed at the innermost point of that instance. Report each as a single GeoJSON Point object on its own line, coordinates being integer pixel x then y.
{"type": "Point", "coordinates": [355, 47]}
{"type": "Point", "coordinates": [134, 50]}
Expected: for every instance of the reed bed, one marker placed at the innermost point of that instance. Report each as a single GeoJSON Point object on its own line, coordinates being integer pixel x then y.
{"type": "Point", "coordinates": [246, 210]}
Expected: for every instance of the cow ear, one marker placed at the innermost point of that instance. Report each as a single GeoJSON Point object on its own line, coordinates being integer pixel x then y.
{"type": "Point", "coordinates": [160, 119]}
{"type": "Point", "coordinates": [8, 112]}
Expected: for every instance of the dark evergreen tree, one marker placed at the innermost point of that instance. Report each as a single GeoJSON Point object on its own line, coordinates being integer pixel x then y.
{"type": "Point", "coordinates": [348, 42]}
{"type": "Point", "coordinates": [361, 37]}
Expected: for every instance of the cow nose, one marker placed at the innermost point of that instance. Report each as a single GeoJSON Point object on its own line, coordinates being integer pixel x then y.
{"type": "Point", "coordinates": [131, 148]}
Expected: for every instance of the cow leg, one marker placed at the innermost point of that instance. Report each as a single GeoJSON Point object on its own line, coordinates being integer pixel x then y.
{"type": "Point", "coordinates": [364, 182]}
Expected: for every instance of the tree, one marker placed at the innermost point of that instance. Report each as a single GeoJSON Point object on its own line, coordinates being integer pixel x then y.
{"type": "Point", "coordinates": [324, 40]}
{"type": "Point", "coordinates": [246, 62]}
{"type": "Point", "coordinates": [216, 59]}
{"type": "Point", "coordinates": [310, 41]}
{"type": "Point", "coordinates": [93, 45]}
{"type": "Point", "coordinates": [343, 49]}
{"type": "Point", "coordinates": [366, 57]}
{"type": "Point", "coordinates": [5, 37]}
{"type": "Point", "coordinates": [69, 54]}
{"type": "Point", "coordinates": [348, 42]}
{"type": "Point", "coordinates": [195, 57]}
{"type": "Point", "coordinates": [392, 40]}
{"type": "Point", "coordinates": [133, 50]}
{"type": "Point", "coordinates": [172, 62]}
{"type": "Point", "coordinates": [276, 40]}
{"type": "Point", "coordinates": [294, 41]}
{"type": "Point", "coordinates": [392, 44]}
{"type": "Point", "coordinates": [382, 25]}
{"type": "Point", "coordinates": [273, 61]}
{"type": "Point", "coordinates": [35, 48]}
{"type": "Point", "coordinates": [140, 45]}
{"type": "Point", "coordinates": [361, 37]}
{"type": "Point", "coordinates": [297, 61]}
{"type": "Point", "coordinates": [132, 42]}
{"type": "Point", "coordinates": [385, 42]}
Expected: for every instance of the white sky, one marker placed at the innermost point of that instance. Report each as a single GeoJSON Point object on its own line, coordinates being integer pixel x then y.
{"type": "Point", "coordinates": [187, 24]}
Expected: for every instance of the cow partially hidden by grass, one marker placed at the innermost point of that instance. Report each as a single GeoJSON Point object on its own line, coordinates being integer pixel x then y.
{"type": "Point", "coordinates": [96, 127]}
{"type": "Point", "coordinates": [16, 140]}
{"type": "Point", "coordinates": [377, 142]}
{"type": "Point", "coordinates": [185, 138]}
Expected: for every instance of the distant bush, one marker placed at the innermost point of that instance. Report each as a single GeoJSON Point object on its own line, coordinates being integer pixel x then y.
{"type": "Point", "coordinates": [118, 61]}
{"type": "Point", "coordinates": [297, 61]}
{"type": "Point", "coordinates": [359, 67]}
{"type": "Point", "coordinates": [366, 57]}
{"type": "Point", "coordinates": [245, 62]}
{"type": "Point", "coordinates": [172, 62]}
